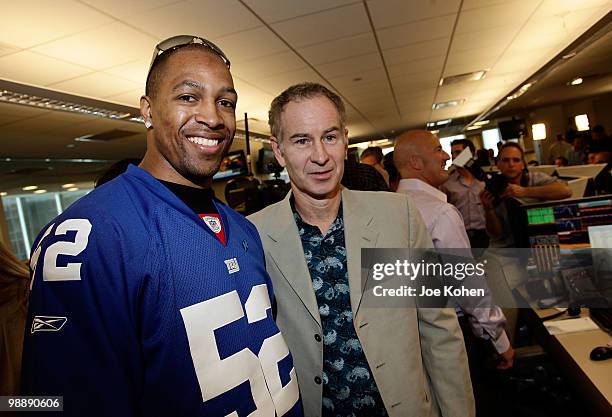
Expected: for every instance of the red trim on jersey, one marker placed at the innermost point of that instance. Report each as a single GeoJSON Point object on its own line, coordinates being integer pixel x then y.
{"type": "Point", "coordinates": [214, 223]}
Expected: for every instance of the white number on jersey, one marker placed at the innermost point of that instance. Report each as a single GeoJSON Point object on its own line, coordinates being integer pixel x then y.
{"type": "Point", "coordinates": [217, 376]}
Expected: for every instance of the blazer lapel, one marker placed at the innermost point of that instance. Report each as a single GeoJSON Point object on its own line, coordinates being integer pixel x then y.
{"type": "Point", "coordinates": [358, 233]}
{"type": "Point", "coordinates": [287, 253]}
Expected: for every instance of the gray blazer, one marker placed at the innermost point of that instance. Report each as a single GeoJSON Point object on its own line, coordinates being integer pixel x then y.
{"type": "Point", "coordinates": [417, 356]}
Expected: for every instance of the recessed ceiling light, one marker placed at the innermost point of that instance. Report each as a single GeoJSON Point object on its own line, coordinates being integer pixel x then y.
{"type": "Point", "coordinates": [73, 189]}
{"type": "Point", "coordinates": [576, 81]}
{"type": "Point", "coordinates": [482, 122]}
{"type": "Point", "coordinates": [443, 122]}
{"type": "Point", "coordinates": [569, 56]}
{"type": "Point", "coordinates": [3, 194]}
{"type": "Point", "coordinates": [445, 104]}
{"type": "Point", "coordinates": [431, 124]}
{"type": "Point", "coordinates": [459, 78]}
{"type": "Point", "coordinates": [473, 127]}
{"type": "Point", "coordinates": [67, 185]}
{"type": "Point", "coordinates": [29, 188]}
{"type": "Point", "coordinates": [40, 191]}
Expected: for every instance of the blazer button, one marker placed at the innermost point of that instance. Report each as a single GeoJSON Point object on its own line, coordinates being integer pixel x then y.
{"type": "Point", "coordinates": [318, 337]}
{"type": "Point", "coordinates": [318, 380]}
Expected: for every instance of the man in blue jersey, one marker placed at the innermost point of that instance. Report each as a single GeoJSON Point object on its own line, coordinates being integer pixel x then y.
{"type": "Point", "coordinates": [150, 297]}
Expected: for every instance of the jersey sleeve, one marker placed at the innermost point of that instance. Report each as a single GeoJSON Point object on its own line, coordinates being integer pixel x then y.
{"type": "Point", "coordinates": [81, 340]}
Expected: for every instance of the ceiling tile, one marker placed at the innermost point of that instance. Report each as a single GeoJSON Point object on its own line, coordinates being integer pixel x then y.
{"type": "Point", "coordinates": [424, 30]}
{"type": "Point", "coordinates": [278, 83]}
{"type": "Point", "coordinates": [416, 51]}
{"type": "Point", "coordinates": [352, 66]}
{"type": "Point", "coordinates": [122, 8]}
{"type": "Point", "coordinates": [499, 37]}
{"type": "Point", "coordinates": [397, 12]}
{"type": "Point", "coordinates": [476, 4]}
{"type": "Point", "coordinates": [515, 13]}
{"type": "Point", "coordinates": [325, 26]}
{"type": "Point", "coordinates": [135, 71]}
{"type": "Point", "coordinates": [472, 60]}
{"type": "Point", "coordinates": [567, 7]}
{"type": "Point", "coordinates": [337, 49]}
{"type": "Point", "coordinates": [206, 18]}
{"type": "Point", "coordinates": [431, 65]}
{"type": "Point", "coordinates": [129, 98]}
{"type": "Point", "coordinates": [97, 85]}
{"type": "Point", "coordinates": [32, 22]}
{"type": "Point", "coordinates": [121, 45]}
{"type": "Point", "coordinates": [267, 66]}
{"type": "Point", "coordinates": [274, 11]}
{"type": "Point", "coordinates": [371, 76]}
{"type": "Point", "coordinates": [7, 49]}
{"type": "Point", "coordinates": [25, 67]}
{"type": "Point", "coordinates": [251, 44]}
{"type": "Point", "coordinates": [20, 111]}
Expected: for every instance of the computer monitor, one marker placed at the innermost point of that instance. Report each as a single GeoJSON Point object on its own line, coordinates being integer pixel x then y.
{"type": "Point", "coordinates": [267, 163]}
{"type": "Point", "coordinates": [562, 224]}
{"type": "Point", "coordinates": [233, 165]}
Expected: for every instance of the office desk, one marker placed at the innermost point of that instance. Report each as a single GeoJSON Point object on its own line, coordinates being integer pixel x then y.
{"type": "Point", "coordinates": [592, 380]}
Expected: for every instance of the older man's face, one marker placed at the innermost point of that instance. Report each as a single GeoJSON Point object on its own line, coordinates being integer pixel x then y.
{"type": "Point", "coordinates": [193, 117]}
{"type": "Point", "coordinates": [312, 146]}
{"type": "Point", "coordinates": [434, 161]}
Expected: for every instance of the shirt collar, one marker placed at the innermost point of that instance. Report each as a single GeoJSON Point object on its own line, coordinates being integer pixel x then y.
{"type": "Point", "coordinates": [413, 184]}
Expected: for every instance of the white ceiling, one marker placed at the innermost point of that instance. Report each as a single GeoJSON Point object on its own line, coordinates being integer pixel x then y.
{"type": "Point", "coordinates": [385, 57]}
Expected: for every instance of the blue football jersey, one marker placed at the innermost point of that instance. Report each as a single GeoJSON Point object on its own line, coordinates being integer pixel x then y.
{"type": "Point", "coordinates": [137, 309]}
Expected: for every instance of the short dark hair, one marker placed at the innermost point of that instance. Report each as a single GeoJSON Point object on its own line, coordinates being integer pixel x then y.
{"type": "Point", "coordinates": [389, 166]}
{"type": "Point", "coordinates": [466, 144]}
{"type": "Point", "coordinates": [376, 151]}
{"type": "Point", "coordinates": [515, 146]}
{"type": "Point", "coordinates": [300, 92]}
{"type": "Point", "coordinates": [157, 71]}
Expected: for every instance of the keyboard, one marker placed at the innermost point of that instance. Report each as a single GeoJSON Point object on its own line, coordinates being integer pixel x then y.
{"type": "Point", "coordinates": [603, 317]}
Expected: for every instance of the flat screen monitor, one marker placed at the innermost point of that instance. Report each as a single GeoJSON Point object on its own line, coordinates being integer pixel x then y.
{"type": "Point", "coordinates": [233, 165]}
{"type": "Point", "coordinates": [511, 129]}
{"type": "Point", "coordinates": [562, 224]}
{"type": "Point", "coordinates": [267, 163]}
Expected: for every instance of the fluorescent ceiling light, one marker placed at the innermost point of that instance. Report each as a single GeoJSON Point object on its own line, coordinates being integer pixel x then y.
{"type": "Point", "coordinates": [30, 188]}
{"type": "Point", "coordinates": [3, 194]}
{"type": "Point", "coordinates": [538, 131]}
{"type": "Point", "coordinates": [582, 122]}
{"type": "Point", "coordinates": [68, 185]}
{"type": "Point", "coordinates": [431, 124]}
{"type": "Point", "coordinates": [51, 104]}
{"type": "Point", "coordinates": [443, 122]}
{"type": "Point", "coordinates": [73, 189]}
{"type": "Point", "coordinates": [459, 78]}
{"type": "Point", "coordinates": [482, 122]}
{"type": "Point", "coordinates": [473, 127]}
{"type": "Point", "coordinates": [40, 191]}
{"type": "Point", "coordinates": [445, 104]}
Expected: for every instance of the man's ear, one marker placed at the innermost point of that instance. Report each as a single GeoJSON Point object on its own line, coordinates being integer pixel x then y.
{"type": "Point", "coordinates": [145, 110]}
{"type": "Point", "coordinates": [346, 143]}
{"type": "Point", "coordinates": [416, 162]}
{"type": "Point", "coordinates": [277, 151]}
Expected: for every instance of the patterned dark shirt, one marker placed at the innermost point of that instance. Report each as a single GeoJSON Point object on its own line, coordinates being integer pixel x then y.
{"type": "Point", "coordinates": [348, 385]}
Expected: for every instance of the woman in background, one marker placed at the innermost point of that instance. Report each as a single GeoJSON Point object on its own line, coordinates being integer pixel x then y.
{"type": "Point", "coordinates": [14, 292]}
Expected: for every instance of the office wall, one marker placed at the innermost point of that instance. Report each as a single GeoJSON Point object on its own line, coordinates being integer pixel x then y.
{"type": "Point", "coordinates": [558, 117]}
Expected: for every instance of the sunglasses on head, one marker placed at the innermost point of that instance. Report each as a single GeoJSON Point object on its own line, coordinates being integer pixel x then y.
{"type": "Point", "coordinates": [179, 41]}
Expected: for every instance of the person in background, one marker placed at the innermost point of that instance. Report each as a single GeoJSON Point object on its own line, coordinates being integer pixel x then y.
{"type": "Point", "coordinates": [561, 161]}
{"type": "Point", "coordinates": [362, 177]}
{"type": "Point", "coordinates": [374, 156]}
{"type": "Point", "coordinates": [351, 359]}
{"type": "Point", "coordinates": [559, 149]}
{"type": "Point", "coordinates": [482, 156]}
{"type": "Point", "coordinates": [463, 191]}
{"type": "Point", "coordinates": [115, 170]}
{"type": "Point", "coordinates": [389, 165]}
{"type": "Point", "coordinates": [521, 184]}
{"type": "Point", "coordinates": [14, 291]}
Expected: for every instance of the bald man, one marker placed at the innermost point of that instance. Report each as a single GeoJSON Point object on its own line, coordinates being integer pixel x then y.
{"type": "Point", "coordinates": [420, 161]}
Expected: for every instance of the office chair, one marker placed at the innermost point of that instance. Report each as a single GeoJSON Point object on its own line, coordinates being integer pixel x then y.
{"type": "Point", "coordinates": [243, 195]}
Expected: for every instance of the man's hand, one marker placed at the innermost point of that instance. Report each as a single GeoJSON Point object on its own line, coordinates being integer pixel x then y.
{"type": "Point", "coordinates": [506, 359]}
{"type": "Point", "coordinates": [487, 200]}
{"type": "Point", "coordinates": [513, 190]}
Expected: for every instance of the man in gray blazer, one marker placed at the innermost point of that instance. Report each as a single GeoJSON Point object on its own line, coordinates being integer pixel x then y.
{"type": "Point", "coordinates": [350, 359]}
